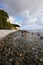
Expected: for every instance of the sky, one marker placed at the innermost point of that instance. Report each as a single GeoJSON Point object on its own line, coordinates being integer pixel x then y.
{"type": "Point", "coordinates": [27, 13]}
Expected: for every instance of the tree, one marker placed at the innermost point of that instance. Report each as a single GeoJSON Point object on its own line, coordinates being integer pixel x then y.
{"type": "Point", "coordinates": [3, 19]}
{"type": "Point", "coordinates": [4, 24]}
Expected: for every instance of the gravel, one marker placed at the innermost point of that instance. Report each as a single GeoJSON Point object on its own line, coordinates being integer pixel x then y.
{"type": "Point", "coordinates": [15, 50]}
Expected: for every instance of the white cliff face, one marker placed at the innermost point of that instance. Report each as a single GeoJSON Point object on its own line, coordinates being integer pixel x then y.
{"type": "Point", "coordinates": [18, 28]}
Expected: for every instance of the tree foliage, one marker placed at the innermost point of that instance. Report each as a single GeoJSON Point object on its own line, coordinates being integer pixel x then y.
{"type": "Point", "coordinates": [3, 21]}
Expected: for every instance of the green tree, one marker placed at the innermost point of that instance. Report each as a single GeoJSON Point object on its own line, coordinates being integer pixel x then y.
{"type": "Point", "coordinates": [4, 24]}
{"type": "Point", "coordinates": [3, 19]}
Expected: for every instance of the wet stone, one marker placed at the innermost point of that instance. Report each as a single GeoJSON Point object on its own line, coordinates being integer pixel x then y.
{"type": "Point", "coordinates": [17, 52]}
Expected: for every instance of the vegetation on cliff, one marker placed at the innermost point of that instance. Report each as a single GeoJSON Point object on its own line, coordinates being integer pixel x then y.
{"type": "Point", "coordinates": [3, 21]}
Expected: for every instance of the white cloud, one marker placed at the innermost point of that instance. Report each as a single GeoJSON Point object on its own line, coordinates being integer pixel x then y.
{"type": "Point", "coordinates": [32, 22]}
{"type": "Point", "coordinates": [28, 22]}
{"type": "Point", "coordinates": [18, 6]}
{"type": "Point", "coordinates": [27, 19]}
{"type": "Point", "coordinates": [11, 19]}
{"type": "Point", "coordinates": [30, 12]}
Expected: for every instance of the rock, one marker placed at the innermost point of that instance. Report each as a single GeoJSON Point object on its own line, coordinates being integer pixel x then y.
{"type": "Point", "coordinates": [19, 51]}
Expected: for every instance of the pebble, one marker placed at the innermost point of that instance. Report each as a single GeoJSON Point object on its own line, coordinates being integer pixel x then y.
{"type": "Point", "coordinates": [16, 52]}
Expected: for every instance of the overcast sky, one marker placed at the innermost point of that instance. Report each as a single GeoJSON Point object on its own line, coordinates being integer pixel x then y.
{"type": "Point", "coordinates": [27, 13]}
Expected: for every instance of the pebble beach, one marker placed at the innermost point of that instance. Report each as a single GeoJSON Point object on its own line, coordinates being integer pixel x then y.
{"type": "Point", "coordinates": [17, 50]}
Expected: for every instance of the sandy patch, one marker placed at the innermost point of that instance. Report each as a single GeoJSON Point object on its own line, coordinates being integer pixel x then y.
{"type": "Point", "coordinates": [5, 32]}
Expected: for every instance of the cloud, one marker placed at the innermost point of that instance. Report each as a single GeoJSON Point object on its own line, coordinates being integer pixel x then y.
{"type": "Point", "coordinates": [27, 19]}
{"type": "Point", "coordinates": [32, 22]}
{"type": "Point", "coordinates": [30, 12]}
{"type": "Point", "coordinates": [20, 5]}
{"type": "Point", "coordinates": [11, 19]}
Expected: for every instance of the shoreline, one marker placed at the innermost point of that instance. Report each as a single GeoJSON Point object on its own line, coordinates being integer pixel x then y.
{"type": "Point", "coordinates": [3, 33]}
